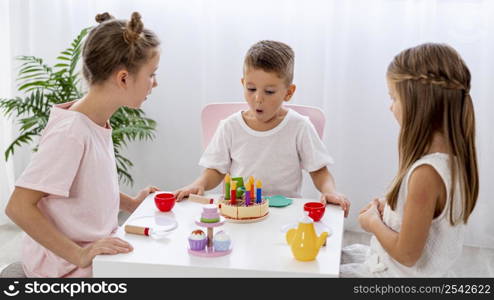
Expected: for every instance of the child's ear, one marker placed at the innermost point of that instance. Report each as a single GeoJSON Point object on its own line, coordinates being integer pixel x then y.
{"type": "Point", "coordinates": [242, 81]}
{"type": "Point", "coordinates": [122, 78]}
{"type": "Point", "coordinates": [290, 91]}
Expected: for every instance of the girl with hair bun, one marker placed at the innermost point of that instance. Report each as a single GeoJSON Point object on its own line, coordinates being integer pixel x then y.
{"type": "Point", "coordinates": [67, 200]}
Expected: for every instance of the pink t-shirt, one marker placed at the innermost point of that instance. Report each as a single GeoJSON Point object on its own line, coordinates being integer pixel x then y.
{"type": "Point", "coordinates": [75, 165]}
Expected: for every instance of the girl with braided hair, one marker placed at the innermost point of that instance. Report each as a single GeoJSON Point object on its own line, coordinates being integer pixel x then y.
{"type": "Point", "coordinates": [418, 226]}
{"type": "Point", "coordinates": [67, 200]}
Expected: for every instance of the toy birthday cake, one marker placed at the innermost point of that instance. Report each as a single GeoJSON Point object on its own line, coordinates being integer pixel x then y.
{"type": "Point", "coordinates": [243, 202]}
{"type": "Point", "coordinates": [210, 214]}
{"type": "Point", "coordinates": [209, 245]}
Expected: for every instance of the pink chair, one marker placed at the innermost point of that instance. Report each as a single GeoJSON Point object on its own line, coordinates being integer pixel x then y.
{"type": "Point", "coordinates": [213, 113]}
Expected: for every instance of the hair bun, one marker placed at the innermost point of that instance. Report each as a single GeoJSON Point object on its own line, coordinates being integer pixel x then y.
{"type": "Point", "coordinates": [100, 18]}
{"type": "Point", "coordinates": [134, 28]}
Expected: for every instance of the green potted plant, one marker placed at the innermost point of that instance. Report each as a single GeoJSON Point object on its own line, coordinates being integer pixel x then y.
{"type": "Point", "coordinates": [44, 86]}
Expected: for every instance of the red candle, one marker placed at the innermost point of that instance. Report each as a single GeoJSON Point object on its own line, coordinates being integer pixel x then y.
{"type": "Point", "coordinates": [233, 193]}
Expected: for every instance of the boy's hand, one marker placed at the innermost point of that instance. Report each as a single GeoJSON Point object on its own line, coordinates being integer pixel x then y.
{"type": "Point", "coordinates": [336, 198]}
{"type": "Point", "coordinates": [137, 200]}
{"type": "Point", "coordinates": [181, 193]}
{"type": "Point", "coordinates": [369, 214]}
{"type": "Point", "coordinates": [108, 245]}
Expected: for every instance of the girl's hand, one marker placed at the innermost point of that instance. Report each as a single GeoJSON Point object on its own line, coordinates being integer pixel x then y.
{"type": "Point", "coordinates": [137, 200]}
{"type": "Point", "coordinates": [369, 214]}
{"type": "Point", "coordinates": [338, 199]}
{"type": "Point", "coordinates": [181, 193]}
{"type": "Point", "coordinates": [108, 245]}
{"type": "Point", "coordinates": [380, 207]}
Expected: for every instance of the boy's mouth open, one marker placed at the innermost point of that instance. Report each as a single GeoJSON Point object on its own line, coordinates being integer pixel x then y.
{"type": "Point", "coordinates": [259, 111]}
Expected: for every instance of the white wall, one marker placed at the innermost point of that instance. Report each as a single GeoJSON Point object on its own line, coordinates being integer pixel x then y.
{"type": "Point", "coordinates": [342, 50]}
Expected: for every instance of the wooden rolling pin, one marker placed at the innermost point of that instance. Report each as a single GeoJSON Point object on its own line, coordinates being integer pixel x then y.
{"type": "Point", "coordinates": [201, 199]}
{"type": "Point", "coordinates": [137, 230]}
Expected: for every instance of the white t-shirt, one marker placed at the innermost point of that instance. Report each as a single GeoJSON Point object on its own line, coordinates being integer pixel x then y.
{"type": "Point", "coordinates": [276, 157]}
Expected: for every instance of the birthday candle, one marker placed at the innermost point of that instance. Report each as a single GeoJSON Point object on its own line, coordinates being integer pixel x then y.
{"type": "Point", "coordinates": [227, 186]}
{"type": "Point", "coordinates": [251, 185]}
{"type": "Point", "coordinates": [247, 195]}
{"type": "Point", "coordinates": [233, 192]}
{"type": "Point", "coordinates": [259, 191]}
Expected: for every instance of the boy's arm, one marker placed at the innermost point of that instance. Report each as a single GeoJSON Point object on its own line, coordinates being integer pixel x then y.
{"type": "Point", "coordinates": [406, 246]}
{"type": "Point", "coordinates": [23, 210]}
{"type": "Point", "coordinates": [209, 179]}
{"type": "Point", "coordinates": [324, 182]}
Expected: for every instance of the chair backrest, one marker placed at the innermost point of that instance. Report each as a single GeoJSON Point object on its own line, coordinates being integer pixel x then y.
{"type": "Point", "coordinates": [213, 113]}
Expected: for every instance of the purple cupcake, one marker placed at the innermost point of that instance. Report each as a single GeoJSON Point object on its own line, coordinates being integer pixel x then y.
{"type": "Point", "coordinates": [197, 240]}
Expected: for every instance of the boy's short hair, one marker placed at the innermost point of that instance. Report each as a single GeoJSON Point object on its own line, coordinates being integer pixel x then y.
{"type": "Point", "coordinates": [271, 56]}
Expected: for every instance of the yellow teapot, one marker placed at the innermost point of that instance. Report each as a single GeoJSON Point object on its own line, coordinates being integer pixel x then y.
{"type": "Point", "coordinates": [303, 241]}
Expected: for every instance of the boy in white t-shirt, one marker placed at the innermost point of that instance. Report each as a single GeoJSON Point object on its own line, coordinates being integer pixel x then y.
{"type": "Point", "coordinates": [268, 141]}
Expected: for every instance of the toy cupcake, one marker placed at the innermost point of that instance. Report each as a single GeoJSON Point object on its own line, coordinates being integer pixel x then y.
{"type": "Point", "coordinates": [221, 241]}
{"type": "Point", "coordinates": [197, 240]}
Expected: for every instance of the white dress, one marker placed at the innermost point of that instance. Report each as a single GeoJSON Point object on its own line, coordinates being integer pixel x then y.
{"type": "Point", "coordinates": [444, 242]}
{"type": "Point", "coordinates": [276, 157]}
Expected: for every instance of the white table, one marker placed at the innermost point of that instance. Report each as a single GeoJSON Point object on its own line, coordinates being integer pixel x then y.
{"type": "Point", "coordinates": [259, 249]}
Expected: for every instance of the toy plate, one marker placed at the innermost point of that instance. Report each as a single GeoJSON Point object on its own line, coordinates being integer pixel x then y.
{"type": "Point", "coordinates": [158, 222]}
{"type": "Point", "coordinates": [247, 220]}
{"type": "Point", "coordinates": [279, 201]}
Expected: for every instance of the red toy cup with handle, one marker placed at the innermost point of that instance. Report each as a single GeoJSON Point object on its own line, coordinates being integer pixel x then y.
{"type": "Point", "coordinates": [164, 201]}
{"type": "Point", "coordinates": [315, 210]}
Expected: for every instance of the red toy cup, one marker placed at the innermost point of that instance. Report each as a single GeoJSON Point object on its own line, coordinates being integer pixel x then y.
{"type": "Point", "coordinates": [315, 210]}
{"type": "Point", "coordinates": [164, 201]}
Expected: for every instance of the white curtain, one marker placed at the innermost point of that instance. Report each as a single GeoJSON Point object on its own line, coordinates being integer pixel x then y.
{"type": "Point", "coordinates": [6, 168]}
{"type": "Point", "coordinates": [342, 51]}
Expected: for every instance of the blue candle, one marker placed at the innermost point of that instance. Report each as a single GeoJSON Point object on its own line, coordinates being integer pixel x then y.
{"type": "Point", "coordinates": [258, 191]}
{"type": "Point", "coordinates": [258, 195]}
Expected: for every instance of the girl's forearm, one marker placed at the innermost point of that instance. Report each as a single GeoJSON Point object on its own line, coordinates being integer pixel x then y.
{"type": "Point", "coordinates": [389, 240]}
{"type": "Point", "coordinates": [126, 202]}
{"type": "Point", "coordinates": [28, 217]}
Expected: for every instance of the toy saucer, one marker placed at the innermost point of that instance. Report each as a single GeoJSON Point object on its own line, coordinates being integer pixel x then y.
{"type": "Point", "coordinates": [279, 201]}
{"type": "Point", "coordinates": [209, 252]}
{"type": "Point", "coordinates": [209, 225]}
{"type": "Point", "coordinates": [320, 227]}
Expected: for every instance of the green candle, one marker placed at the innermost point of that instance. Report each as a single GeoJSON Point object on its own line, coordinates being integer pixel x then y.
{"type": "Point", "coordinates": [227, 187]}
